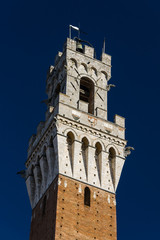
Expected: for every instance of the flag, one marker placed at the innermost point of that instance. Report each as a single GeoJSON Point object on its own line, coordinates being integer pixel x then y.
{"type": "Point", "coordinates": [76, 28]}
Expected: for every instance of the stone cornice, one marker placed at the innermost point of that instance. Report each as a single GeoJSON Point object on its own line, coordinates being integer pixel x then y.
{"type": "Point", "coordinates": [98, 133]}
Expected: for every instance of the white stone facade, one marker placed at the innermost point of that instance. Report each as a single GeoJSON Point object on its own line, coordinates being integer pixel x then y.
{"type": "Point", "coordinates": [76, 139]}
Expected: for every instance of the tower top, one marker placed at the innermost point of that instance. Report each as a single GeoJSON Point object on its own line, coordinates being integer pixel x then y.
{"type": "Point", "coordinates": [76, 139]}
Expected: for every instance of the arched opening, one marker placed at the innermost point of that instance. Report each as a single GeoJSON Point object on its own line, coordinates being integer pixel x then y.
{"type": "Point", "coordinates": [94, 71]}
{"type": "Point", "coordinates": [51, 142]}
{"type": "Point", "coordinates": [44, 151]}
{"type": "Point", "coordinates": [73, 62]}
{"type": "Point", "coordinates": [104, 75]}
{"type": "Point", "coordinates": [87, 93]}
{"type": "Point", "coordinates": [56, 93]}
{"type": "Point", "coordinates": [70, 146]}
{"type": "Point", "coordinates": [57, 90]}
{"type": "Point", "coordinates": [85, 144]}
{"type": "Point", "coordinates": [112, 163]}
{"type": "Point", "coordinates": [98, 157]}
{"type": "Point", "coordinates": [87, 196]}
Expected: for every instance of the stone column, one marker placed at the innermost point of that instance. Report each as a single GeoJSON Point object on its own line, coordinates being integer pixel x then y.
{"type": "Point", "coordinates": [104, 169]}
{"type": "Point", "coordinates": [93, 177]}
{"type": "Point", "coordinates": [91, 167]}
{"type": "Point", "coordinates": [55, 158]}
{"type": "Point", "coordinates": [44, 171]}
{"type": "Point", "coordinates": [30, 183]}
{"type": "Point", "coordinates": [38, 181]}
{"type": "Point", "coordinates": [76, 157]}
{"type": "Point", "coordinates": [50, 160]}
{"type": "Point", "coordinates": [118, 169]}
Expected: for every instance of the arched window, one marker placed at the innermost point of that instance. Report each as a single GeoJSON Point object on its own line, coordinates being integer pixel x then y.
{"type": "Point", "coordinates": [104, 75]}
{"type": "Point", "coordinates": [93, 71]}
{"type": "Point", "coordinates": [98, 156]}
{"type": "Point", "coordinates": [56, 93]}
{"type": "Point", "coordinates": [73, 62]}
{"type": "Point", "coordinates": [112, 163]}
{"type": "Point", "coordinates": [87, 196]}
{"type": "Point", "coordinates": [87, 93]}
{"type": "Point", "coordinates": [51, 142]}
{"type": "Point", "coordinates": [44, 151]}
{"type": "Point", "coordinates": [85, 144]}
{"type": "Point", "coordinates": [70, 146]}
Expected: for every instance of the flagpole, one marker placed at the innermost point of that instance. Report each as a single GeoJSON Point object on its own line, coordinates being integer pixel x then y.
{"type": "Point", "coordinates": [74, 27]}
{"type": "Point", "coordinates": [70, 31]}
{"type": "Point", "coordinates": [104, 45]}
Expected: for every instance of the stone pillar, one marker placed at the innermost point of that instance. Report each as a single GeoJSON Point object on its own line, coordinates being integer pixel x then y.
{"type": "Point", "coordinates": [91, 156]}
{"type": "Point", "coordinates": [44, 171]}
{"type": "Point", "coordinates": [38, 180]}
{"type": "Point", "coordinates": [30, 183]}
{"type": "Point", "coordinates": [104, 169]}
{"type": "Point", "coordinates": [77, 150]}
{"type": "Point", "coordinates": [55, 158]}
{"type": "Point", "coordinates": [118, 169]}
{"type": "Point", "coordinates": [50, 160]}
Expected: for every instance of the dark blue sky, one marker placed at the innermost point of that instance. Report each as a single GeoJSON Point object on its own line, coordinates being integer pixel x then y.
{"type": "Point", "coordinates": [32, 32]}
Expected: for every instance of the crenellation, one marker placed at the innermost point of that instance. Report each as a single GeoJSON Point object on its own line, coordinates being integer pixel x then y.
{"type": "Point", "coordinates": [101, 113]}
{"type": "Point", "coordinates": [119, 121]}
{"type": "Point", "coordinates": [106, 59]}
{"type": "Point", "coordinates": [83, 106]}
{"type": "Point", "coordinates": [89, 51]}
{"type": "Point", "coordinates": [70, 44]}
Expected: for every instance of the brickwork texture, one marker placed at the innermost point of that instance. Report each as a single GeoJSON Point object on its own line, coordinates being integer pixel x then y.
{"type": "Point", "coordinates": [62, 214]}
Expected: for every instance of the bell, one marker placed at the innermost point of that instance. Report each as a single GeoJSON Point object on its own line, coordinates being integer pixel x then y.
{"type": "Point", "coordinates": [79, 47]}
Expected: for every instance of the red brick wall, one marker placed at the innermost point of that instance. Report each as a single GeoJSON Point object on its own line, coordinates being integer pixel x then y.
{"type": "Point", "coordinates": [44, 217]}
{"type": "Point", "coordinates": [74, 220]}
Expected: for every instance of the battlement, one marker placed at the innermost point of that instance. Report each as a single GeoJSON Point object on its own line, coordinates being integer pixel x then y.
{"type": "Point", "coordinates": [87, 51]}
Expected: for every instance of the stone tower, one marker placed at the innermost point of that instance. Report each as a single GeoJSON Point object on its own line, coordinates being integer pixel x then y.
{"type": "Point", "coordinates": [76, 157]}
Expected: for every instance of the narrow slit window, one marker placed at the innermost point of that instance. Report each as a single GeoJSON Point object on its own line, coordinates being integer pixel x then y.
{"type": "Point", "coordinates": [85, 144]}
{"type": "Point", "coordinates": [112, 162]}
{"type": "Point", "coordinates": [70, 147]}
{"type": "Point", "coordinates": [87, 196]}
{"type": "Point", "coordinates": [98, 158]}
